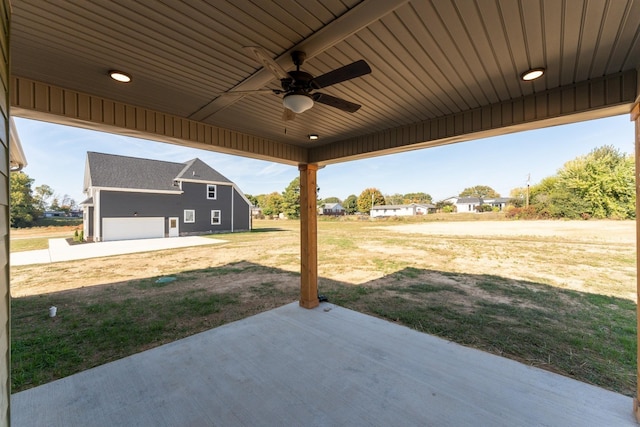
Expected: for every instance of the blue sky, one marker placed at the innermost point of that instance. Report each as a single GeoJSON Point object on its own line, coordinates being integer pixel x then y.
{"type": "Point", "coordinates": [56, 157]}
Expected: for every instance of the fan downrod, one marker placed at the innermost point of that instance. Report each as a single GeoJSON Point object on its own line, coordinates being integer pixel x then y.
{"type": "Point", "coordinates": [298, 58]}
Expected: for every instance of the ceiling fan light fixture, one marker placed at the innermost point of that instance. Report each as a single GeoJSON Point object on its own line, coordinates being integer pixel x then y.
{"type": "Point", "coordinates": [120, 76]}
{"type": "Point", "coordinates": [297, 103]}
{"type": "Point", "coordinates": [532, 74]}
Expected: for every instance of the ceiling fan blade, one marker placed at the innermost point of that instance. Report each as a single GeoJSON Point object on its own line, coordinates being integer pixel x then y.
{"type": "Point", "coordinates": [267, 61]}
{"type": "Point", "coordinates": [249, 92]}
{"type": "Point", "coordinates": [338, 103]}
{"type": "Point", "coordinates": [348, 72]}
{"type": "Point", "coordinates": [287, 114]}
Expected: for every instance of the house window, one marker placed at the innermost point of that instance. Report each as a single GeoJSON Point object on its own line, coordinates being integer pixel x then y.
{"type": "Point", "coordinates": [215, 218]}
{"type": "Point", "coordinates": [189, 216]}
{"type": "Point", "coordinates": [211, 191]}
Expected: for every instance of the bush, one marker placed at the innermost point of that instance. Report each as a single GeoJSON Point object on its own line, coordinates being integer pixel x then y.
{"type": "Point", "coordinates": [530, 212]}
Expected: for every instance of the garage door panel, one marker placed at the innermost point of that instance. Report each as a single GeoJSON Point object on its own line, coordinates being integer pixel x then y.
{"type": "Point", "coordinates": [132, 228]}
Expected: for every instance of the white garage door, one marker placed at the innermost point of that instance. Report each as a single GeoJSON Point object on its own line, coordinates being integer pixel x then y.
{"type": "Point", "coordinates": [132, 228]}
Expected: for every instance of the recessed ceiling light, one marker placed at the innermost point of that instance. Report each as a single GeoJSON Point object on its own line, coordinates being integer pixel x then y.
{"type": "Point", "coordinates": [120, 76]}
{"type": "Point", "coordinates": [532, 74]}
{"type": "Point", "coordinates": [313, 136]}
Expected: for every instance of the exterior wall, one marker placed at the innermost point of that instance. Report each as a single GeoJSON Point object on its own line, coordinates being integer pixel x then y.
{"type": "Point", "coordinates": [194, 197]}
{"type": "Point", "coordinates": [5, 338]}
{"type": "Point", "coordinates": [420, 210]}
{"type": "Point", "coordinates": [241, 213]}
{"type": "Point", "coordinates": [466, 207]}
{"type": "Point", "coordinates": [90, 228]}
{"type": "Point", "coordinates": [404, 211]}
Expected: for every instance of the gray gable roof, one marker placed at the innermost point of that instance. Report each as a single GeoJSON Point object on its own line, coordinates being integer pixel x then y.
{"type": "Point", "coordinates": [113, 171]}
{"type": "Point", "coordinates": [198, 170]}
{"type": "Point", "coordinates": [468, 200]}
{"type": "Point", "coordinates": [332, 205]}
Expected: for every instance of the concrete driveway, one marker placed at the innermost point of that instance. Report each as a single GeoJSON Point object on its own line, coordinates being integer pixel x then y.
{"type": "Point", "coordinates": [60, 250]}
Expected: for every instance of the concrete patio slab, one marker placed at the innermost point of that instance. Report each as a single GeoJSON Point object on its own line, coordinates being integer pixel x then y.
{"type": "Point", "coordinates": [61, 250]}
{"type": "Point", "coordinates": [323, 367]}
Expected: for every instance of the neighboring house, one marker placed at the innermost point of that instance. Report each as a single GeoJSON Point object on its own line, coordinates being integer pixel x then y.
{"type": "Point", "coordinates": [471, 204]}
{"type": "Point", "coordinates": [334, 209]}
{"type": "Point", "coordinates": [132, 198]}
{"type": "Point", "coordinates": [256, 211]}
{"type": "Point", "coordinates": [499, 202]}
{"type": "Point", "coordinates": [52, 214]}
{"type": "Point", "coordinates": [402, 210]}
{"type": "Point", "coordinates": [468, 204]}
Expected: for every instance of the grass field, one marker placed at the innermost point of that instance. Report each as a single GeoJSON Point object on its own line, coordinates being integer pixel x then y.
{"type": "Point", "coordinates": [557, 295]}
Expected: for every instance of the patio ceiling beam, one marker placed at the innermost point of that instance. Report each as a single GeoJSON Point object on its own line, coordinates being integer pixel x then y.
{"type": "Point", "coordinates": [603, 97]}
{"type": "Point", "coordinates": [41, 101]}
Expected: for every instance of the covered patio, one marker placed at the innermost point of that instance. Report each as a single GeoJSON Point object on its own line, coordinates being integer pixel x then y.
{"type": "Point", "coordinates": [212, 75]}
{"type": "Point", "coordinates": [327, 366]}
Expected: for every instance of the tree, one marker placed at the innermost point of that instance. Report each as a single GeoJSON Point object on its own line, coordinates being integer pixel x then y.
{"type": "Point", "coordinates": [350, 204]}
{"type": "Point", "coordinates": [23, 210]}
{"type": "Point", "coordinates": [291, 199]}
{"type": "Point", "coordinates": [68, 204]}
{"type": "Point", "coordinates": [272, 204]}
{"type": "Point", "coordinates": [367, 197]}
{"type": "Point", "coordinates": [604, 179]}
{"type": "Point", "coordinates": [600, 184]}
{"type": "Point", "coordinates": [518, 197]}
{"type": "Point", "coordinates": [42, 195]}
{"type": "Point", "coordinates": [480, 191]}
{"type": "Point", "coordinates": [55, 204]}
{"type": "Point", "coordinates": [330, 200]}
{"type": "Point", "coordinates": [417, 198]}
{"type": "Point", "coordinates": [394, 199]}
{"type": "Point", "coordinates": [253, 200]}
{"type": "Point", "coordinates": [445, 206]}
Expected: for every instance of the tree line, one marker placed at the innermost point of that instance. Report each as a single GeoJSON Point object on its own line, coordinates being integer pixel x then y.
{"type": "Point", "coordinates": [600, 184]}
{"type": "Point", "coordinates": [27, 204]}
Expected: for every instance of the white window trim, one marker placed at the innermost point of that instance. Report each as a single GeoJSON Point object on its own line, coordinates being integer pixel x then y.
{"type": "Point", "coordinates": [219, 217]}
{"type": "Point", "coordinates": [215, 191]}
{"type": "Point", "coordinates": [185, 216]}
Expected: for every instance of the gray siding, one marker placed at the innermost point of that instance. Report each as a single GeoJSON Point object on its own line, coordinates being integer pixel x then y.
{"type": "Point", "coordinates": [241, 213]}
{"type": "Point", "coordinates": [5, 383]}
{"type": "Point", "coordinates": [194, 196]}
{"type": "Point", "coordinates": [90, 219]}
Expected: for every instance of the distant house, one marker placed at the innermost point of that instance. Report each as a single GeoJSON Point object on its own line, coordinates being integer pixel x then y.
{"type": "Point", "coordinates": [471, 204]}
{"type": "Point", "coordinates": [468, 204]}
{"type": "Point", "coordinates": [256, 211]}
{"type": "Point", "coordinates": [133, 198]}
{"type": "Point", "coordinates": [334, 209]}
{"type": "Point", "coordinates": [54, 214]}
{"type": "Point", "coordinates": [402, 210]}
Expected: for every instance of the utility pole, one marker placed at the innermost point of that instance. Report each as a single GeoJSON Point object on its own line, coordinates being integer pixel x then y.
{"type": "Point", "coordinates": [528, 179]}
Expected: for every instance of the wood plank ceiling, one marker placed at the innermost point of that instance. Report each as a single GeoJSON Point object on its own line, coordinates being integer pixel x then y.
{"type": "Point", "coordinates": [431, 60]}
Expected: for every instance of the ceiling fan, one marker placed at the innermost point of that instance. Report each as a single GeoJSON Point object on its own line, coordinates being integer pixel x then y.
{"type": "Point", "coordinates": [299, 86]}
